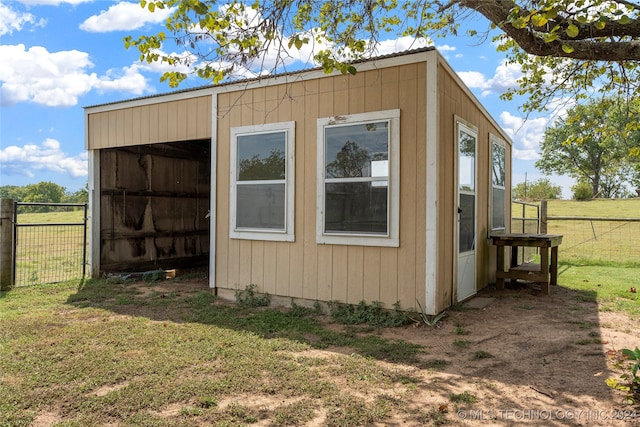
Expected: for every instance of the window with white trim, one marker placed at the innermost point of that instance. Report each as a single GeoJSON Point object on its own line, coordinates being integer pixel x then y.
{"type": "Point", "coordinates": [358, 179]}
{"type": "Point", "coordinates": [498, 207]}
{"type": "Point", "coordinates": [262, 182]}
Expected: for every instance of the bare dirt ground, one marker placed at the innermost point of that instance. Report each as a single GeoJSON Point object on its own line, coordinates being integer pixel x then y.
{"type": "Point", "coordinates": [549, 358]}
{"type": "Point", "coordinates": [525, 358]}
{"type": "Point", "coordinates": [528, 359]}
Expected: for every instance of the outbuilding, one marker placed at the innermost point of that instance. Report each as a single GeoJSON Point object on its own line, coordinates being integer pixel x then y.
{"type": "Point", "coordinates": [381, 186]}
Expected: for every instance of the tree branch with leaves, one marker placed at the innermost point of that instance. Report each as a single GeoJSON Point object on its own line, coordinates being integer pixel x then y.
{"type": "Point", "coordinates": [565, 48]}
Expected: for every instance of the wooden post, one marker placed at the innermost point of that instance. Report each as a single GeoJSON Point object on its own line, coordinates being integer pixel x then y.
{"type": "Point", "coordinates": [7, 207]}
{"type": "Point", "coordinates": [543, 217]}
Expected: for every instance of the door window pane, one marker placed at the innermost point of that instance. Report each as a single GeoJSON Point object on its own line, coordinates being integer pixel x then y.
{"type": "Point", "coordinates": [467, 222]}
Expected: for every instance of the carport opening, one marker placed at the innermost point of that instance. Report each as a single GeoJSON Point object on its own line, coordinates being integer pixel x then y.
{"type": "Point", "coordinates": [154, 205]}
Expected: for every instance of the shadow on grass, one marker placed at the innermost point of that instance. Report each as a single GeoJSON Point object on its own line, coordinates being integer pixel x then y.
{"type": "Point", "coordinates": [179, 304]}
{"type": "Point", "coordinates": [525, 339]}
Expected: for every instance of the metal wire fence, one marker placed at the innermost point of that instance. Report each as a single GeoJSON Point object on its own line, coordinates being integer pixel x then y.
{"type": "Point", "coordinates": [607, 240]}
{"type": "Point", "coordinates": [585, 239]}
{"type": "Point", "coordinates": [50, 242]}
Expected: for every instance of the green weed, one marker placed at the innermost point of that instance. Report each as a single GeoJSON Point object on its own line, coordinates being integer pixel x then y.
{"type": "Point", "coordinates": [373, 315]}
{"type": "Point", "coordinates": [461, 343]}
{"type": "Point", "coordinates": [250, 298]}
{"type": "Point", "coordinates": [464, 397]}
{"type": "Point", "coordinates": [481, 354]}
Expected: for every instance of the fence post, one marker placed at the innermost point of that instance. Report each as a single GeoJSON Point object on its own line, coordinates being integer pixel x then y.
{"type": "Point", "coordinates": [543, 217]}
{"type": "Point", "coordinates": [7, 210]}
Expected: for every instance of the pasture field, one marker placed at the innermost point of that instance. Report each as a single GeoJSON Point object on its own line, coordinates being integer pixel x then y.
{"type": "Point", "coordinates": [595, 242]}
{"type": "Point", "coordinates": [49, 252]}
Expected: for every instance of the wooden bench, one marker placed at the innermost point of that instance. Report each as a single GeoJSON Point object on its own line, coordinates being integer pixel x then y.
{"type": "Point", "coordinates": [544, 273]}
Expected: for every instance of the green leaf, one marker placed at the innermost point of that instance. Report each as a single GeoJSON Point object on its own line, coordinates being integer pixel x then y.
{"type": "Point", "coordinates": [567, 49]}
{"type": "Point", "coordinates": [152, 7]}
{"type": "Point", "coordinates": [599, 25]}
{"type": "Point", "coordinates": [572, 30]}
{"type": "Point", "coordinates": [539, 20]}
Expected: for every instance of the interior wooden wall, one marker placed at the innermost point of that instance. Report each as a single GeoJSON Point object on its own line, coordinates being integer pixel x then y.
{"type": "Point", "coordinates": [153, 205]}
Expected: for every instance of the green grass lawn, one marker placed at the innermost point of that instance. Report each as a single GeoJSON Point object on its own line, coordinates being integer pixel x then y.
{"type": "Point", "coordinates": [610, 287]}
{"type": "Point", "coordinates": [111, 353]}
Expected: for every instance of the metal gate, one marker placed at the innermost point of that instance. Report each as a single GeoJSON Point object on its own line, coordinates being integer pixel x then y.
{"type": "Point", "coordinates": [50, 242]}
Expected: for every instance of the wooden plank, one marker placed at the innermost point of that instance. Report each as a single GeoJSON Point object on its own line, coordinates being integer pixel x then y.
{"type": "Point", "coordinates": [222, 195]}
{"type": "Point", "coordinates": [158, 122]}
{"type": "Point", "coordinates": [270, 267]}
{"type": "Point", "coordinates": [325, 272]}
{"type": "Point", "coordinates": [233, 265]}
{"type": "Point", "coordinates": [355, 274]}
{"type": "Point", "coordinates": [421, 183]}
{"type": "Point", "coordinates": [191, 121]}
{"type": "Point", "coordinates": [389, 87]}
{"type": "Point", "coordinates": [339, 277]}
{"type": "Point", "coordinates": [388, 276]}
{"type": "Point", "coordinates": [172, 121]}
{"type": "Point", "coordinates": [306, 190]}
{"type": "Point", "coordinates": [298, 114]}
{"type": "Point", "coordinates": [244, 263]}
{"type": "Point", "coordinates": [407, 96]}
{"type": "Point", "coordinates": [180, 108]}
{"type": "Point", "coordinates": [373, 94]}
{"type": "Point", "coordinates": [371, 274]}
{"type": "Point", "coordinates": [110, 131]}
{"type": "Point", "coordinates": [282, 269]}
{"type": "Point", "coordinates": [257, 263]}
{"type": "Point", "coordinates": [128, 128]}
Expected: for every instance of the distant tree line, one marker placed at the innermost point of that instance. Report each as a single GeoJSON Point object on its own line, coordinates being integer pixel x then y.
{"type": "Point", "coordinates": [44, 192]}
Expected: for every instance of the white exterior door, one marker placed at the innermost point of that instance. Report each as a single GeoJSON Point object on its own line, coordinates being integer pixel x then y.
{"type": "Point", "coordinates": [466, 225]}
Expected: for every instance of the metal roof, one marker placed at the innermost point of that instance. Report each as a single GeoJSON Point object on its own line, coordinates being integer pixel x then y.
{"type": "Point", "coordinates": [270, 76]}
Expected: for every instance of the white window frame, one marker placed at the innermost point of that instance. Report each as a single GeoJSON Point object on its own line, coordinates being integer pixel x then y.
{"type": "Point", "coordinates": [391, 238]}
{"type": "Point", "coordinates": [495, 141]}
{"type": "Point", "coordinates": [287, 234]}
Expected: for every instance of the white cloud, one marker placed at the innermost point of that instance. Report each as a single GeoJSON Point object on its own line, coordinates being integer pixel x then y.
{"type": "Point", "coordinates": [12, 20]}
{"type": "Point", "coordinates": [52, 2]}
{"type": "Point", "coordinates": [123, 17]}
{"type": "Point", "coordinates": [525, 133]}
{"type": "Point", "coordinates": [30, 159]}
{"type": "Point", "coordinates": [473, 79]}
{"type": "Point", "coordinates": [57, 78]}
{"type": "Point", "coordinates": [400, 45]}
{"type": "Point", "coordinates": [505, 77]}
{"type": "Point", "coordinates": [128, 79]}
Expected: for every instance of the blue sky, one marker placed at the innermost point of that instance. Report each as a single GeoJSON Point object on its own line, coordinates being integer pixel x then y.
{"type": "Point", "coordinates": [58, 56]}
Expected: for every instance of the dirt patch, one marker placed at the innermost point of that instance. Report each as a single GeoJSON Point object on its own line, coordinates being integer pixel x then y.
{"type": "Point", "coordinates": [504, 358]}
{"type": "Point", "coordinates": [526, 359]}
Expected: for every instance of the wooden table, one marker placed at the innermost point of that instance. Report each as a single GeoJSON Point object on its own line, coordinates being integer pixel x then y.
{"type": "Point", "coordinates": [544, 273]}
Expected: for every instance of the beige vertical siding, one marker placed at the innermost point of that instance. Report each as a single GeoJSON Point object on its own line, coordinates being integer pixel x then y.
{"type": "Point", "coordinates": [329, 272]}
{"type": "Point", "coordinates": [179, 120]}
{"type": "Point", "coordinates": [456, 103]}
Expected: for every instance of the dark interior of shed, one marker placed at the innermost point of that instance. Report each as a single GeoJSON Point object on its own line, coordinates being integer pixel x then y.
{"type": "Point", "coordinates": [154, 205]}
